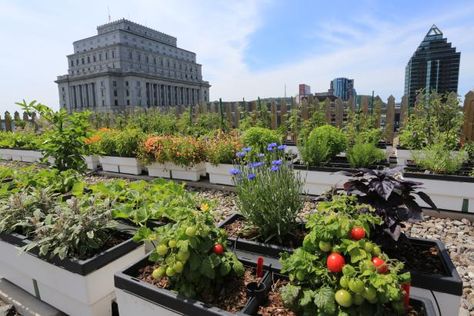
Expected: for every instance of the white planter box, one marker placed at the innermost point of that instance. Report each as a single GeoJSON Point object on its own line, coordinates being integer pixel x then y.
{"type": "Point", "coordinates": [402, 156]}
{"type": "Point", "coordinates": [5, 154]}
{"type": "Point", "coordinates": [318, 182]}
{"type": "Point", "coordinates": [187, 173]}
{"type": "Point", "coordinates": [69, 292]}
{"type": "Point", "coordinates": [31, 155]}
{"type": "Point", "coordinates": [447, 195]}
{"type": "Point", "coordinates": [159, 170]}
{"type": "Point", "coordinates": [220, 174]}
{"type": "Point", "coordinates": [121, 165]}
{"type": "Point", "coordinates": [92, 162]}
{"type": "Point", "coordinates": [292, 149]}
{"type": "Point", "coordinates": [132, 305]}
{"type": "Point", "coordinates": [16, 154]}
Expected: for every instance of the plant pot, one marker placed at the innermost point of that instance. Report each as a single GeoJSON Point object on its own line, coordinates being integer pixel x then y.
{"type": "Point", "coordinates": [292, 149]}
{"type": "Point", "coordinates": [159, 170]}
{"type": "Point", "coordinates": [76, 287]}
{"type": "Point", "coordinates": [31, 155]}
{"type": "Point", "coordinates": [5, 154]}
{"type": "Point", "coordinates": [136, 297]}
{"type": "Point", "coordinates": [121, 165]}
{"type": "Point", "coordinates": [92, 162]}
{"type": "Point", "coordinates": [402, 156]}
{"type": "Point", "coordinates": [220, 174]}
{"type": "Point", "coordinates": [318, 180]}
{"type": "Point", "coordinates": [187, 173]}
{"type": "Point", "coordinates": [454, 193]}
{"type": "Point", "coordinates": [266, 249]}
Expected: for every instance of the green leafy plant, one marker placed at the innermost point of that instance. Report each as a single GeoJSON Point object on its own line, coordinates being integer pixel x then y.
{"type": "Point", "coordinates": [340, 271]}
{"type": "Point", "coordinates": [64, 141]}
{"type": "Point", "coordinates": [123, 143]}
{"type": "Point", "coordinates": [436, 158]}
{"type": "Point", "coordinates": [192, 255]}
{"type": "Point", "coordinates": [364, 155]}
{"type": "Point", "coordinates": [268, 193]}
{"type": "Point", "coordinates": [323, 143]}
{"type": "Point", "coordinates": [21, 140]}
{"type": "Point", "coordinates": [258, 138]}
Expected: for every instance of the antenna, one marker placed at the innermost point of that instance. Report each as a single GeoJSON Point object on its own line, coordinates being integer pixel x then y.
{"type": "Point", "coordinates": [108, 11]}
{"type": "Point", "coordinates": [285, 91]}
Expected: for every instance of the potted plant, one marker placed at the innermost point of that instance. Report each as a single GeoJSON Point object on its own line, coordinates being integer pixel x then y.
{"type": "Point", "coordinates": [221, 149]}
{"type": "Point", "coordinates": [71, 248]}
{"type": "Point", "coordinates": [20, 146]}
{"type": "Point", "coordinates": [154, 156]}
{"type": "Point", "coordinates": [93, 149]}
{"type": "Point", "coordinates": [119, 151]}
{"type": "Point", "coordinates": [190, 272]}
{"type": "Point", "coordinates": [186, 156]}
{"type": "Point", "coordinates": [365, 155]}
{"type": "Point", "coordinates": [268, 200]}
{"type": "Point", "coordinates": [394, 200]}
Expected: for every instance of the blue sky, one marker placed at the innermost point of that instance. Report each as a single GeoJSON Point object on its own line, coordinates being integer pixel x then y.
{"type": "Point", "coordinates": [247, 48]}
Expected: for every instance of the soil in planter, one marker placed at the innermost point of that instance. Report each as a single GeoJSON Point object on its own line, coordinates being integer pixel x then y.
{"type": "Point", "coordinates": [275, 307]}
{"type": "Point", "coordinates": [7, 309]}
{"type": "Point", "coordinates": [239, 228]}
{"type": "Point", "coordinates": [233, 295]}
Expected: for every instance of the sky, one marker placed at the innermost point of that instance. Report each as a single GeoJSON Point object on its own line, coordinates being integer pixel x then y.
{"type": "Point", "coordinates": [247, 48]}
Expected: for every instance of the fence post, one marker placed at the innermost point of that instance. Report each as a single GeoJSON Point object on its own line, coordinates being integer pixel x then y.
{"type": "Point", "coordinates": [327, 110]}
{"type": "Point", "coordinates": [274, 115]}
{"type": "Point", "coordinates": [228, 112]}
{"type": "Point", "coordinates": [378, 111]}
{"type": "Point", "coordinates": [403, 111]}
{"type": "Point", "coordinates": [304, 110]}
{"type": "Point", "coordinates": [364, 104]}
{"type": "Point", "coordinates": [283, 112]}
{"type": "Point", "coordinates": [468, 126]}
{"type": "Point", "coordinates": [390, 119]}
{"type": "Point", "coordinates": [8, 121]}
{"type": "Point", "coordinates": [339, 112]}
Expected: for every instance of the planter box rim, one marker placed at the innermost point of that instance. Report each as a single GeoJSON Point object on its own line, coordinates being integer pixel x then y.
{"type": "Point", "coordinates": [123, 280]}
{"type": "Point", "coordinates": [450, 178]}
{"type": "Point", "coordinates": [81, 267]}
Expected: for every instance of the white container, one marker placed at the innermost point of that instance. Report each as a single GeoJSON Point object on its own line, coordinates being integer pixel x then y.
{"type": "Point", "coordinates": [92, 162]}
{"type": "Point", "coordinates": [5, 154]}
{"type": "Point", "coordinates": [31, 155]}
{"type": "Point", "coordinates": [187, 173]}
{"type": "Point", "coordinates": [402, 156]}
{"type": "Point", "coordinates": [448, 195]}
{"type": "Point", "coordinates": [121, 165]}
{"type": "Point", "coordinates": [160, 170]}
{"type": "Point", "coordinates": [72, 293]}
{"type": "Point", "coordinates": [220, 174]}
{"type": "Point", "coordinates": [318, 182]}
{"type": "Point", "coordinates": [132, 305]}
{"type": "Point", "coordinates": [16, 154]}
{"type": "Point", "coordinates": [290, 149]}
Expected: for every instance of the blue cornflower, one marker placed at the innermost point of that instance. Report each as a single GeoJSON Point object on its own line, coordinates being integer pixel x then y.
{"type": "Point", "coordinates": [274, 168]}
{"type": "Point", "coordinates": [251, 176]}
{"type": "Point", "coordinates": [240, 154]}
{"type": "Point", "coordinates": [281, 147]}
{"type": "Point", "coordinates": [277, 162]}
{"type": "Point", "coordinates": [270, 147]}
{"type": "Point", "coordinates": [234, 171]}
{"type": "Point", "coordinates": [256, 164]}
{"type": "Point", "coordinates": [247, 149]}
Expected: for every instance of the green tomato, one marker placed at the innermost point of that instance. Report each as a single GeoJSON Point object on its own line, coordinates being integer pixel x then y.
{"type": "Point", "coordinates": [356, 286]}
{"type": "Point", "coordinates": [183, 256]}
{"type": "Point", "coordinates": [178, 267]}
{"type": "Point", "coordinates": [158, 273]}
{"type": "Point", "coordinates": [369, 247]}
{"type": "Point", "coordinates": [376, 252]}
{"type": "Point", "coordinates": [162, 250]}
{"type": "Point", "coordinates": [348, 270]}
{"type": "Point", "coordinates": [344, 282]}
{"type": "Point", "coordinates": [300, 275]}
{"type": "Point", "coordinates": [325, 246]}
{"type": "Point", "coordinates": [370, 293]}
{"type": "Point", "coordinates": [170, 271]}
{"type": "Point", "coordinates": [343, 298]}
{"type": "Point", "coordinates": [367, 265]}
{"type": "Point", "coordinates": [191, 231]}
{"type": "Point", "coordinates": [358, 299]}
{"type": "Point", "coordinates": [172, 243]}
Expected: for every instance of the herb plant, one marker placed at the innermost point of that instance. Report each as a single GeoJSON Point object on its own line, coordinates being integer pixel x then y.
{"type": "Point", "coordinates": [438, 159]}
{"type": "Point", "coordinates": [121, 143]}
{"type": "Point", "coordinates": [258, 138]}
{"type": "Point", "coordinates": [364, 155]}
{"type": "Point", "coordinates": [323, 144]}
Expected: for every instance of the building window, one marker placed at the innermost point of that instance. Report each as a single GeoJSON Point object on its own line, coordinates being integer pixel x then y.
{"type": "Point", "coordinates": [130, 55]}
{"type": "Point", "coordinates": [127, 92]}
{"type": "Point", "coordinates": [88, 59]}
{"type": "Point", "coordinates": [114, 83]}
{"type": "Point", "coordinates": [93, 58]}
{"type": "Point", "coordinates": [103, 103]}
{"type": "Point", "coordinates": [128, 102]}
{"type": "Point", "coordinates": [126, 83]}
{"type": "Point", "coordinates": [106, 55]}
{"type": "Point", "coordinates": [82, 60]}
{"type": "Point", "coordinates": [116, 103]}
{"type": "Point", "coordinates": [100, 56]}
{"type": "Point", "coordinates": [113, 53]}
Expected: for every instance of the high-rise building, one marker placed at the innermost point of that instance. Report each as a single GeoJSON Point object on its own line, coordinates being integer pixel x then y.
{"type": "Point", "coordinates": [434, 66]}
{"type": "Point", "coordinates": [304, 89]}
{"type": "Point", "coordinates": [129, 65]}
{"type": "Point", "coordinates": [343, 88]}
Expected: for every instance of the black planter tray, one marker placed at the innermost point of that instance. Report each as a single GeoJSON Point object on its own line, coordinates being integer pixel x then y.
{"type": "Point", "coordinates": [450, 283]}
{"type": "Point", "coordinates": [82, 267]}
{"type": "Point", "coordinates": [126, 280]}
{"type": "Point", "coordinates": [444, 177]}
{"type": "Point", "coordinates": [337, 166]}
{"type": "Point", "coordinates": [266, 249]}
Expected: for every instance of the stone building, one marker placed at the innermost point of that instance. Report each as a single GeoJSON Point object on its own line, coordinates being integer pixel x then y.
{"type": "Point", "coordinates": [129, 65]}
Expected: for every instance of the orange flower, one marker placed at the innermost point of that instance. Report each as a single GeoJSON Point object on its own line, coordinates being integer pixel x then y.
{"type": "Point", "coordinates": [93, 139]}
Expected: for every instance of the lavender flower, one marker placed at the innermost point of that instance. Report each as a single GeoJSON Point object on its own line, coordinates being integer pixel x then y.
{"type": "Point", "coordinates": [251, 176]}
{"type": "Point", "coordinates": [234, 171]}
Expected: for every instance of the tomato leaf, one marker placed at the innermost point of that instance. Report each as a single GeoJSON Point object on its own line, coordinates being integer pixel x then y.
{"type": "Point", "coordinates": [324, 300]}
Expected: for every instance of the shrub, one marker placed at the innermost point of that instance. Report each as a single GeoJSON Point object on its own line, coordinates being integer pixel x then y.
{"type": "Point", "coordinates": [185, 150]}
{"type": "Point", "coordinates": [268, 194]}
{"type": "Point", "coordinates": [124, 143]}
{"type": "Point", "coordinates": [185, 254]}
{"type": "Point", "coordinates": [436, 158]}
{"type": "Point", "coordinates": [21, 140]}
{"type": "Point", "coordinates": [315, 287]}
{"type": "Point", "coordinates": [258, 138]}
{"type": "Point", "coordinates": [323, 143]}
{"type": "Point", "coordinates": [222, 147]}
{"type": "Point", "coordinates": [153, 149]}
{"type": "Point", "coordinates": [364, 155]}
{"type": "Point", "coordinates": [64, 141]}
{"type": "Point", "coordinates": [372, 136]}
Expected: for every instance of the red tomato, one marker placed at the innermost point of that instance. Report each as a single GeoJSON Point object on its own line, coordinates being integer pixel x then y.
{"type": "Point", "coordinates": [335, 262]}
{"type": "Point", "coordinates": [357, 233]}
{"type": "Point", "coordinates": [380, 265]}
{"type": "Point", "coordinates": [218, 249]}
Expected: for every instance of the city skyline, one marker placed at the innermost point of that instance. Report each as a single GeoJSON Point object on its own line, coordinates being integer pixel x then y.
{"type": "Point", "coordinates": [247, 49]}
